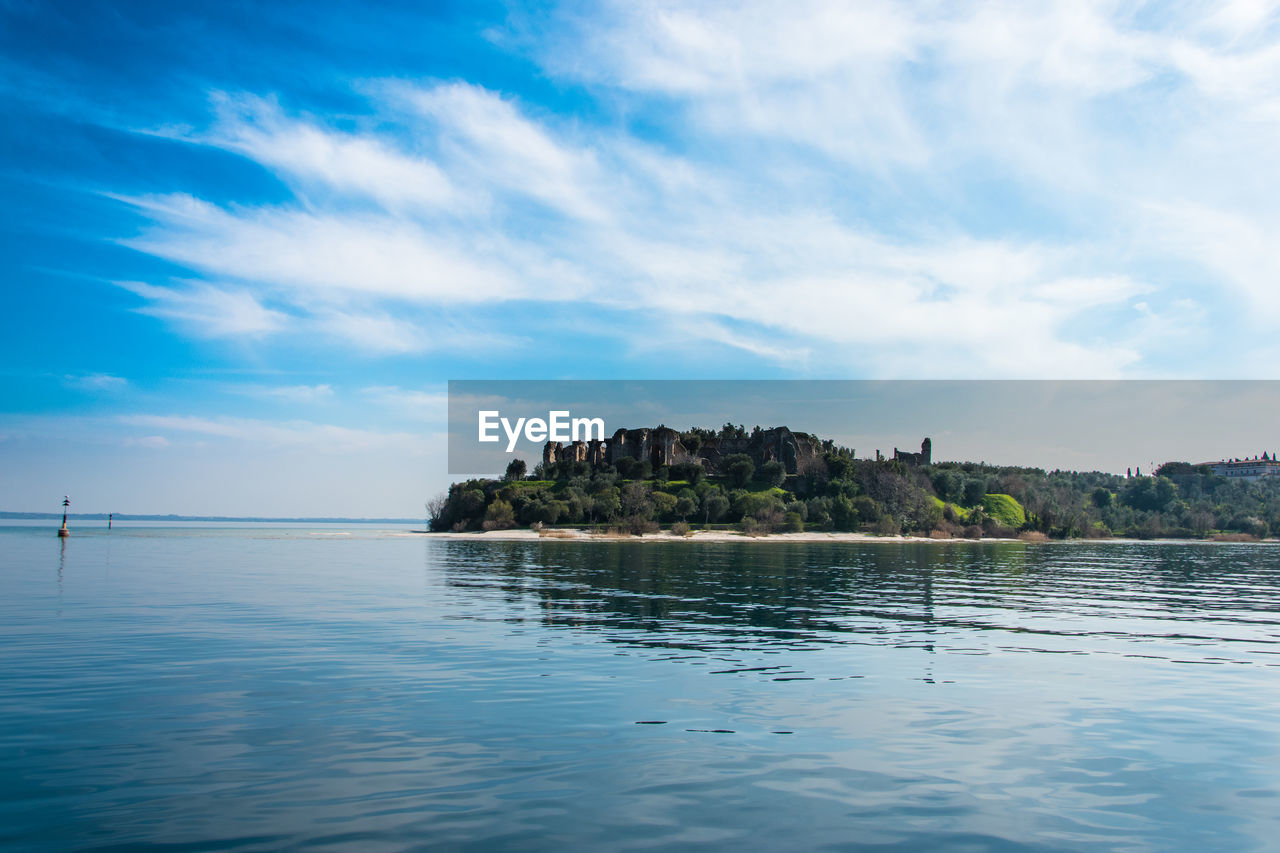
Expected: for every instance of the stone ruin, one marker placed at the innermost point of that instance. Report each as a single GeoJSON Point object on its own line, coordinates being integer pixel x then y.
{"type": "Point", "coordinates": [661, 446]}
{"type": "Point", "coordinates": [921, 458]}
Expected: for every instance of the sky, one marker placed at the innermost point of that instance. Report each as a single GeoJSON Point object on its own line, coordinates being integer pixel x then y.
{"type": "Point", "coordinates": [245, 246]}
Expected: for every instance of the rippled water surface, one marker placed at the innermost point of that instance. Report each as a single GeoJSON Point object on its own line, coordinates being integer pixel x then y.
{"type": "Point", "coordinates": [259, 688]}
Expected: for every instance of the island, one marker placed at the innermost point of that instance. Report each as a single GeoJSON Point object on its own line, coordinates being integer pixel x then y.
{"type": "Point", "coordinates": [761, 482]}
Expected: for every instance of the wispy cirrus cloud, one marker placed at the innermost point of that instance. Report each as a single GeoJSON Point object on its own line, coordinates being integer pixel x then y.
{"type": "Point", "coordinates": [327, 256]}
{"type": "Point", "coordinates": [96, 382]}
{"type": "Point", "coordinates": [489, 139]}
{"type": "Point", "coordinates": [151, 442]}
{"type": "Point", "coordinates": [411, 403]}
{"type": "Point", "coordinates": [260, 432]}
{"type": "Point", "coordinates": [207, 310]}
{"type": "Point", "coordinates": [994, 188]}
{"type": "Point", "coordinates": [316, 160]}
{"type": "Point", "coordinates": [300, 394]}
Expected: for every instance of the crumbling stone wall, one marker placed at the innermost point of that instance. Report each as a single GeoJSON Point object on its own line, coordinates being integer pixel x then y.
{"type": "Point", "coordinates": [924, 457]}
{"type": "Point", "coordinates": [795, 451]}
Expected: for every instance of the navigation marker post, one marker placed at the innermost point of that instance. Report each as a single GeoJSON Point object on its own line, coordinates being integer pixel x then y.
{"type": "Point", "coordinates": [63, 532]}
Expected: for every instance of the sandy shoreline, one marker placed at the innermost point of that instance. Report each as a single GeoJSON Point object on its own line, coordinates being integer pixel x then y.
{"type": "Point", "coordinates": [517, 535]}
{"type": "Point", "coordinates": [561, 535]}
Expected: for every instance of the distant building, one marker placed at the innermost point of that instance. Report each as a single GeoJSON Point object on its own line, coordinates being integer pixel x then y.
{"type": "Point", "coordinates": [924, 457]}
{"type": "Point", "coordinates": [1246, 469]}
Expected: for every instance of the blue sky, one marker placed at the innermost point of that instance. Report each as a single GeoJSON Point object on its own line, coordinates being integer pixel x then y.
{"type": "Point", "coordinates": [245, 246]}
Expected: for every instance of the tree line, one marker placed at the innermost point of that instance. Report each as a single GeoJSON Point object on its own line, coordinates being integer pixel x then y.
{"type": "Point", "coordinates": [842, 493]}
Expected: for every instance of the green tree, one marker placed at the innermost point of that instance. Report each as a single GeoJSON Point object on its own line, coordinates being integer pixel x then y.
{"type": "Point", "coordinates": [664, 504]}
{"type": "Point", "coordinates": [839, 466]}
{"type": "Point", "coordinates": [748, 504]}
{"type": "Point", "coordinates": [606, 505]}
{"type": "Point", "coordinates": [471, 502]}
{"type": "Point", "coordinates": [975, 488]}
{"type": "Point", "coordinates": [772, 473]}
{"type": "Point", "coordinates": [692, 472]}
{"type": "Point", "coordinates": [692, 442]}
{"type": "Point", "coordinates": [739, 469]}
{"type": "Point", "coordinates": [637, 501]}
{"type": "Point", "coordinates": [1153, 494]}
{"type": "Point", "coordinates": [948, 484]}
{"type": "Point", "coordinates": [516, 469]}
{"type": "Point", "coordinates": [819, 511]}
{"type": "Point", "coordinates": [686, 504]}
{"type": "Point", "coordinates": [866, 509]}
{"type": "Point", "coordinates": [714, 506]}
{"type": "Point", "coordinates": [843, 515]}
{"type": "Point", "coordinates": [547, 511]}
{"type": "Point", "coordinates": [769, 517]}
{"type": "Point", "coordinates": [499, 515]}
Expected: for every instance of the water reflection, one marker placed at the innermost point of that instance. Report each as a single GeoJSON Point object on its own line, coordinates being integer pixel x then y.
{"type": "Point", "coordinates": [62, 564]}
{"type": "Point", "coordinates": [958, 598]}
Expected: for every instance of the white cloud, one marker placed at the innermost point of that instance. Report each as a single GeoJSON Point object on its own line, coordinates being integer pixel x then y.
{"type": "Point", "coordinates": [1238, 250]}
{"type": "Point", "coordinates": [822, 74]}
{"type": "Point", "coordinates": [411, 403]}
{"type": "Point", "coordinates": [994, 189]}
{"type": "Point", "coordinates": [323, 438]}
{"type": "Point", "coordinates": [377, 333]}
{"type": "Point", "coordinates": [312, 156]}
{"type": "Point", "coordinates": [506, 150]}
{"type": "Point", "coordinates": [97, 382]}
{"type": "Point", "coordinates": [299, 394]}
{"type": "Point", "coordinates": [154, 442]}
{"type": "Point", "coordinates": [208, 311]}
{"type": "Point", "coordinates": [331, 256]}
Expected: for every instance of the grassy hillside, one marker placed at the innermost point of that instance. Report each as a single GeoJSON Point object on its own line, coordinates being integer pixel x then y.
{"type": "Point", "coordinates": [1004, 509]}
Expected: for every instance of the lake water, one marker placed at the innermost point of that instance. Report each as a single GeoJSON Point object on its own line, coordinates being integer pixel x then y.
{"type": "Point", "coordinates": [258, 688]}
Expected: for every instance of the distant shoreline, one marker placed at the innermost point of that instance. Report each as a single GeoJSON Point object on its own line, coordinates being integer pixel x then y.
{"type": "Point", "coordinates": [121, 516]}
{"type": "Point", "coordinates": [711, 536]}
